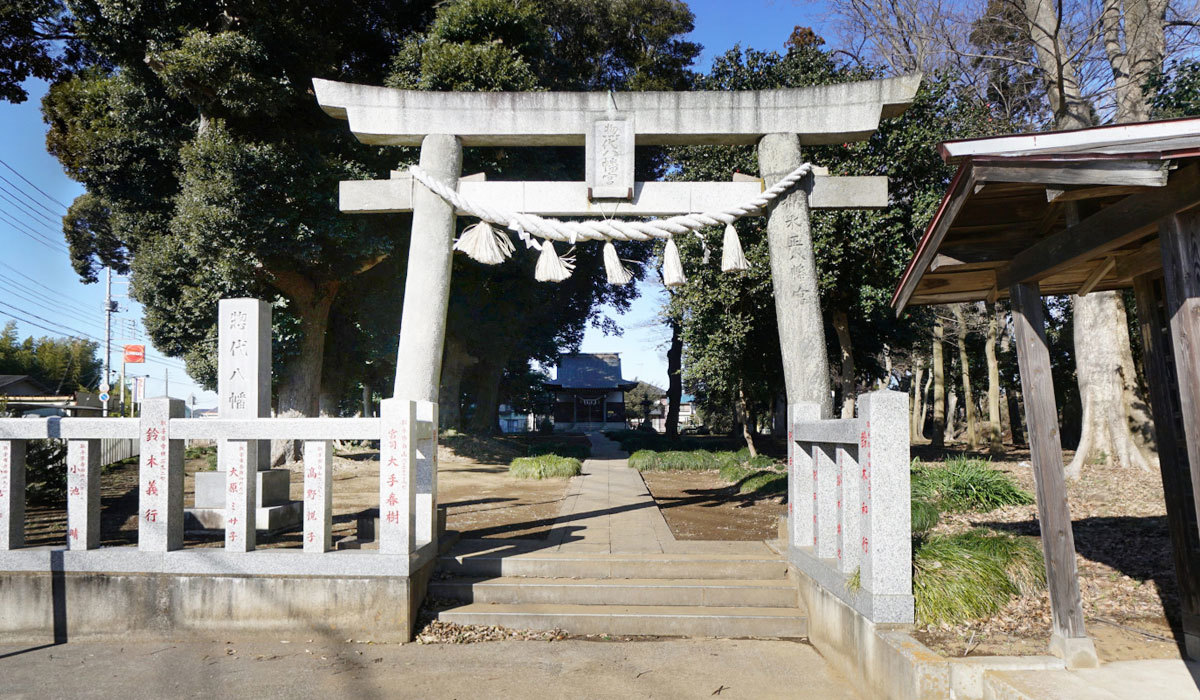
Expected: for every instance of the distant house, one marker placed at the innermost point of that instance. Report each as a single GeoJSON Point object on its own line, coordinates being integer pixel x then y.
{"type": "Point", "coordinates": [589, 392]}
{"type": "Point", "coordinates": [21, 394]}
{"type": "Point", "coordinates": [687, 413]}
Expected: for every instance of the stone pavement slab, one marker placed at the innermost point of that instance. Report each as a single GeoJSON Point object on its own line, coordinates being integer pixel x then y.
{"type": "Point", "coordinates": [326, 666]}
{"type": "Point", "coordinates": [609, 509]}
{"type": "Point", "coordinates": [1151, 679]}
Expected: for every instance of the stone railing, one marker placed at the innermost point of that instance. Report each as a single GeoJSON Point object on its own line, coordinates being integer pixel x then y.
{"type": "Point", "coordinates": [849, 520]}
{"type": "Point", "coordinates": [407, 490]}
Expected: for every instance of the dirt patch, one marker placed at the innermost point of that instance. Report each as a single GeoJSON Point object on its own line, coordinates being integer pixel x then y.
{"type": "Point", "coordinates": [481, 499]}
{"type": "Point", "coordinates": [1126, 574]}
{"type": "Point", "coordinates": [700, 505]}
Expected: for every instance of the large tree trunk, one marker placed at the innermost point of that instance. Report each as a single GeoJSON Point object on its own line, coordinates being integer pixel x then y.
{"type": "Point", "coordinates": [939, 385]}
{"type": "Point", "coordinates": [488, 374]}
{"type": "Point", "coordinates": [1107, 385]}
{"type": "Point", "coordinates": [951, 414]}
{"type": "Point", "coordinates": [917, 417]}
{"type": "Point", "coordinates": [455, 361]}
{"type": "Point", "coordinates": [842, 326]}
{"type": "Point", "coordinates": [368, 403]}
{"type": "Point", "coordinates": [674, 379]}
{"type": "Point", "coordinates": [1060, 74]}
{"type": "Point", "coordinates": [300, 387]}
{"type": "Point", "coordinates": [965, 366]}
{"type": "Point", "coordinates": [995, 435]}
{"type": "Point", "coordinates": [1134, 43]}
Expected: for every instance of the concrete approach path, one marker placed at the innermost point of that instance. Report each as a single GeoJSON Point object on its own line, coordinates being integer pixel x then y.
{"type": "Point", "coordinates": [322, 668]}
{"type": "Point", "coordinates": [609, 510]}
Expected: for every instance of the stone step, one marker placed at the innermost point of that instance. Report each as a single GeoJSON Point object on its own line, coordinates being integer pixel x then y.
{"type": "Point", "coordinates": [614, 566]}
{"type": "Point", "coordinates": [774, 593]}
{"type": "Point", "coordinates": [656, 620]}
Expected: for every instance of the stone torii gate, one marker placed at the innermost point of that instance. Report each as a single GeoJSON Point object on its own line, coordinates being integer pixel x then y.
{"type": "Point", "coordinates": [609, 126]}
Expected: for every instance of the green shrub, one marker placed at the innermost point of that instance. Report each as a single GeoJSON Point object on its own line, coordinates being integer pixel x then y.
{"type": "Point", "coordinates": [576, 450]}
{"type": "Point", "coordinates": [973, 574]}
{"type": "Point", "coordinates": [544, 467]}
{"type": "Point", "coordinates": [46, 471]}
{"type": "Point", "coordinates": [966, 484]}
{"type": "Point", "coordinates": [765, 482]}
{"type": "Point", "coordinates": [925, 516]}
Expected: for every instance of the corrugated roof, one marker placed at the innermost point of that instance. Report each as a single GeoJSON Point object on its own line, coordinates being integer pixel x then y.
{"type": "Point", "coordinates": [599, 370]}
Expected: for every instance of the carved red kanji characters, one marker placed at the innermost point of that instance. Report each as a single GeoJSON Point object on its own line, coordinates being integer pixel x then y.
{"type": "Point", "coordinates": [152, 488]}
{"type": "Point", "coordinates": [151, 515]}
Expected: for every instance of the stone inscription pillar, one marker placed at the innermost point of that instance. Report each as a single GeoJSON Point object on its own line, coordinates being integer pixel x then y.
{"type": "Point", "coordinates": [83, 494]}
{"type": "Point", "coordinates": [160, 478]}
{"type": "Point", "coordinates": [794, 277]}
{"type": "Point", "coordinates": [244, 371]}
{"type": "Point", "coordinates": [12, 494]}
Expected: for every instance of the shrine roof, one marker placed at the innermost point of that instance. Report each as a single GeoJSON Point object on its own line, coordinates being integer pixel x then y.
{"type": "Point", "coordinates": [590, 371]}
{"type": "Point", "coordinates": [1075, 211]}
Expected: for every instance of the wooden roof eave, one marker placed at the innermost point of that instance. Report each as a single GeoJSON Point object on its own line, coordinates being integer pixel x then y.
{"type": "Point", "coordinates": [961, 187]}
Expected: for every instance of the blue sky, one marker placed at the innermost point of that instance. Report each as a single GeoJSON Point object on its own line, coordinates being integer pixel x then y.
{"type": "Point", "coordinates": [43, 294]}
{"type": "Point", "coordinates": [759, 24]}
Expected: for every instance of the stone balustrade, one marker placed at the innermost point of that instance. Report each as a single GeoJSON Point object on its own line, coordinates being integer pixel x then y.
{"type": "Point", "coordinates": [408, 462]}
{"type": "Point", "coordinates": [849, 519]}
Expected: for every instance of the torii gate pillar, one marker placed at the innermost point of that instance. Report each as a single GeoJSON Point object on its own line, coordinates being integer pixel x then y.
{"type": "Point", "coordinates": [430, 253]}
{"type": "Point", "coordinates": [794, 277]}
{"type": "Point", "coordinates": [426, 299]}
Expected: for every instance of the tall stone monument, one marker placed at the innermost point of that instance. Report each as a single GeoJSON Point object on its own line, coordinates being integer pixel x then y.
{"type": "Point", "coordinates": [244, 391]}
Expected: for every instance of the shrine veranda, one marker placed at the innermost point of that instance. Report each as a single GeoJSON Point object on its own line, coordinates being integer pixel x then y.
{"type": "Point", "coordinates": [859, 526]}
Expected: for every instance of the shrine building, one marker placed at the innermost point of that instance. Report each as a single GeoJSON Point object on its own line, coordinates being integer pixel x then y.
{"type": "Point", "coordinates": [589, 393]}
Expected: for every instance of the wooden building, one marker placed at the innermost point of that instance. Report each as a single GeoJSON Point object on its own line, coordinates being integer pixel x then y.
{"type": "Point", "coordinates": [589, 393]}
{"type": "Point", "coordinates": [1074, 212]}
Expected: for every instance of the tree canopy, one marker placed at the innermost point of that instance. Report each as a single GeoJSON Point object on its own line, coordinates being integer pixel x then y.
{"type": "Point", "coordinates": [62, 365]}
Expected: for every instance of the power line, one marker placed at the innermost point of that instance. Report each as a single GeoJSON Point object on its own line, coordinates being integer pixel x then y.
{"type": "Point", "coordinates": [22, 219]}
{"type": "Point", "coordinates": [25, 231]}
{"type": "Point", "coordinates": [26, 195]}
{"type": "Point", "coordinates": [78, 334]}
{"type": "Point", "coordinates": [9, 195]}
{"type": "Point", "coordinates": [11, 288]}
{"type": "Point", "coordinates": [39, 189]}
{"type": "Point", "coordinates": [76, 300]}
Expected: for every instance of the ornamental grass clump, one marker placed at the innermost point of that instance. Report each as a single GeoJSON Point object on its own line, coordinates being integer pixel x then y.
{"type": "Point", "coordinates": [544, 467]}
{"type": "Point", "coordinates": [973, 574]}
{"type": "Point", "coordinates": [697, 460]}
{"type": "Point", "coordinates": [966, 484]}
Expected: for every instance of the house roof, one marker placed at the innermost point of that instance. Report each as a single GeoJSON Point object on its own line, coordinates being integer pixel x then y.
{"type": "Point", "coordinates": [598, 370]}
{"type": "Point", "coordinates": [1074, 211]}
{"type": "Point", "coordinates": [7, 380]}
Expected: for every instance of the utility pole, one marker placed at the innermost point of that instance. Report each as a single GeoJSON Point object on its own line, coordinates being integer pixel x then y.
{"type": "Point", "coordinates": [109, 307]}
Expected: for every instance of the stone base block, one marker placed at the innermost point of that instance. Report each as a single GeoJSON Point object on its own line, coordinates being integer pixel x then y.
{"type": "Point", "coordinates": [41, 607]}
{"type": "Point", "coordinates": [368, 525]}
{"type": "Point", "coordinates": [1076, 652]}
{"type": "Point", "coordinates": [266, 519]}
{"type": "Point", "coordinates": [273, 486]}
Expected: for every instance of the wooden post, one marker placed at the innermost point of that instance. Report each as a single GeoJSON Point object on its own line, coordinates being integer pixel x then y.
{"type": "Point", "coordinates": [1068, 640]}
{"type": "Point", "coordinates": [1172, 452]}
{"type": "Point", "coordinates": [1179, 237]}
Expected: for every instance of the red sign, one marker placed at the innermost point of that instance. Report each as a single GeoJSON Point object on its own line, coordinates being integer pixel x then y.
{"type": "Point", "coordinates": [135, 354]}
